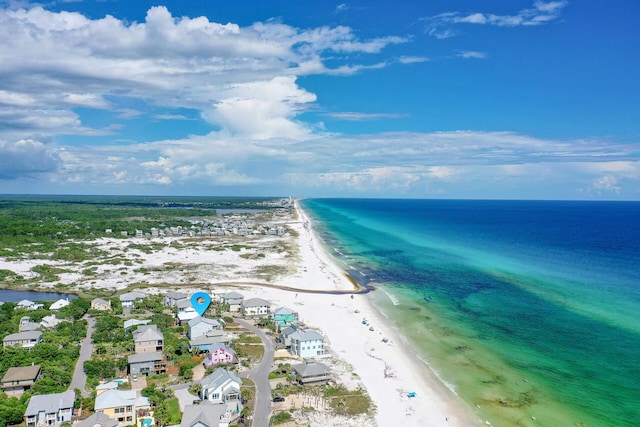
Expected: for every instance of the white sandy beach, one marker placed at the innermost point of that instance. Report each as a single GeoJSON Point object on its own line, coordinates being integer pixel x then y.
{"type": "Point", "coordinates": [388, 370]}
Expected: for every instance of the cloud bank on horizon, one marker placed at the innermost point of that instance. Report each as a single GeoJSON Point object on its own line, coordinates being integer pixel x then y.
{"type": "Point", "coordinates": [431, 103]}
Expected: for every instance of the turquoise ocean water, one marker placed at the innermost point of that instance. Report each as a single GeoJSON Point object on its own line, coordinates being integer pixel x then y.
{"type": "Point", "coordinates": [528, 310]}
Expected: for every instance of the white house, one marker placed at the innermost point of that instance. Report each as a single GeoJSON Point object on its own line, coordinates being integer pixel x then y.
{"type": "Point", "coordinates": [307, 344]}
{"type": "Point", "coordinates": [202, 326]}
{"type": "Point", "coordinates": [255, 307]}
{"type": "Point", "coordinates": [28, 305]}
{"type": "Point", "coordinates": [50, 321]}
{"type": "Point", "coordinates": [221, 386]}
{"type": "Point", "coordinates": [50, 409]}
{"type": "Point", "coordinates": [26, 339]}
{"type": "Point", "coordinates": [129, 298]}
{"type": "Point", "coordinates": [57, 305]}
{"type": "Point", "coordinates": [185, 311]}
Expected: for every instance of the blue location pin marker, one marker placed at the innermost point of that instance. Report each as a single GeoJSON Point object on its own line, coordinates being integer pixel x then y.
{"type": "Point", "coordinates": [200, 302]}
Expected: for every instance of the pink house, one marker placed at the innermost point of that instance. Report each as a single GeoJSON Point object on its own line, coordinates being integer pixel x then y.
{"type": "Point", "coordinates": [219, 353]}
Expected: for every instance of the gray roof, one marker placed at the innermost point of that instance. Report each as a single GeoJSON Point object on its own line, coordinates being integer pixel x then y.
{"type": "Point", "coordinates": [307, 336]}
{"type": "Point", "coordinates": [145, 357]}
{"type": "Point", "coordinates": [97, 419]}
{"type": "Point", "coordinates": [175, 295]}
{"type": "Point", "coordinates": [113, 398]}
{"type": "Point", "coordinates": [219, 345]}
{"type": "Point", "coordinates": [147, 333]}
{"type": "Point", "coordinates": [219, 377]}
{"type": "Point", "coordinates": [183, 303]}
{"type": "Point", "coordinates": [132, 296]}
{"type": "Point", "coordinates": [311, 369]}
{"type": "Point", "coordinates": [283, 311]}
{"type": "Point", "coordinates": [206, 413]}
{"type": "Point", "coordinates": [21, 373]}
{"type": "Point", "coordinates": [135, 322]}
{"type": "Point", "coordinates": [208, 340]}
{"type": "Point", "coordinates": [233, 295]}
{"type": "Point", "coordinates": [50, 403]}
{"type": "Point", "coordinates": [27, 335]}
{"type": "Point", "coordinates": [213, 322]}
{"type": "Point", "coordinates": [255, 302]}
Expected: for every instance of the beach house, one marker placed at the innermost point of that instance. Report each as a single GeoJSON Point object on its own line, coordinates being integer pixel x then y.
{"type": "Point", "coordinates": [100, 304]}
{"type": "Point", "coordinates": [19, 379]}
{"type": "Point", "coordinates": [233, 300]}
{"type": "Point", "coordinates": [50, 321]}
{"type": "Point", "coordinates": [147, 339]}
{"type": "Point", "coordinates": [185, 311]}
{"type": "Point", "coordinates": [307, 344]}
{"type": "Point", "coordinates": [49, 410]}
{"type": "Point", "coordinates": [98, 419]}
{"type": "Point", "coordinates": [123, 406]}
{"type": "Point", "coordinates": [171, 298]}
{"type": "Point", "coordinates": [208, 415]}
{"type": "Point", "coordinates": [201, 326]}
{"type": "Point", "coordinates": [150, 363]}
{"type": "Point", "coordinates": [311, 372]}
{"type": "Point", "coordinates": [128, 299]}
{"type": "Point", "coordinates": [27, 339]}
{"type": "Point", "coordinates": [57, 305]}
{"type": "Point", "coordinates": [203, 342]}
{"type": "Point", "coordinates": [219, 353]}
{"type": "Point", "coordinates": [220, 387]}
{"type": "Point", "coordinates": [255, 307]}
{"type": "Point", "coordinates": [27, 325]}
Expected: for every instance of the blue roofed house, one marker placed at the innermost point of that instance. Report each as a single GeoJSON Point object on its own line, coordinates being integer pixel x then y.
{"type": "Point", "coordinates": [50, 409]}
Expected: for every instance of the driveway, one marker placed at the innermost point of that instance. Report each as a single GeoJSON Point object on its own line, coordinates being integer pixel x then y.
{"type": "Point", "coordinates": [79, 379]}
{"type": "Point", "coordinates": [260, 376]}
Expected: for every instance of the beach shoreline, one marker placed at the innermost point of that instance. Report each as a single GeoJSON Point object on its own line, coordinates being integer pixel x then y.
{"type": "Point", "coordinates": [378, 357]}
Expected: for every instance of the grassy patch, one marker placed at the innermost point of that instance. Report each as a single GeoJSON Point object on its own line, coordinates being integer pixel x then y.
{"type": "Point", "coordinates": [281, 418]}
{"type": "Point", "coordinates": [346, 402]}
{"type": "Point", "coordinates": [173, 409]}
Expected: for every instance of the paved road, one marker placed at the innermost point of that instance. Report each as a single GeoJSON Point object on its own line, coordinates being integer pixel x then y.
{"type": "Point", "coordinates": [86, 347]}
{"type": "Point", "coordinates": [260, 376]}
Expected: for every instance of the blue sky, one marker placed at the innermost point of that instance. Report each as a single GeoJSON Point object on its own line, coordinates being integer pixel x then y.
{"type": "Point", "coordinates": [437, 99]}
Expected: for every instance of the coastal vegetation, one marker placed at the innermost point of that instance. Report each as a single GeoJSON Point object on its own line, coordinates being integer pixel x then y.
{"type": "Point", "coordinates": [38, 225]}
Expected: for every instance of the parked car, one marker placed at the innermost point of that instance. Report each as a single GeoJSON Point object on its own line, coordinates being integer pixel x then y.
{"type": "Point", "coordinates": [278, 399]}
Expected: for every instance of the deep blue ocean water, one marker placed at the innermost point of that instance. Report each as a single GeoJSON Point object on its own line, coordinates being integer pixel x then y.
{"type": "Point", "coordinates": [528, 309]}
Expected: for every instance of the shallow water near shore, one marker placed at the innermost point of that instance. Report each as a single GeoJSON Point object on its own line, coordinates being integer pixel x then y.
{"type": "Point", "coordinates": [527, 310]}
